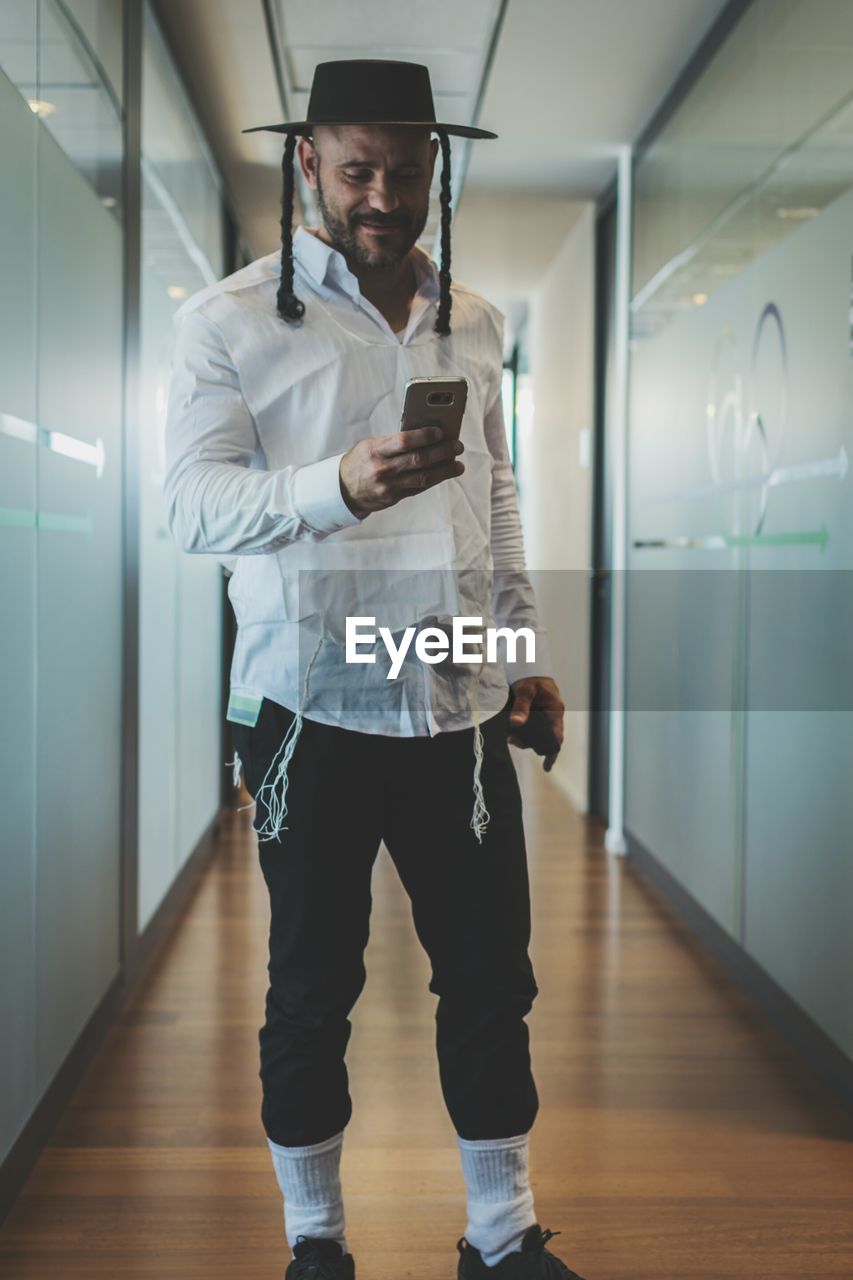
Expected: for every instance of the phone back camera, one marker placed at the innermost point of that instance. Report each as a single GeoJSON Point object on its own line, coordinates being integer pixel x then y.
{"type": "Point", "coordinates": [440, 397]}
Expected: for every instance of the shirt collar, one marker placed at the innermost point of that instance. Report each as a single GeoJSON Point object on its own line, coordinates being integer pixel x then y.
{"type": "Point", "coordinates": [328, 267]}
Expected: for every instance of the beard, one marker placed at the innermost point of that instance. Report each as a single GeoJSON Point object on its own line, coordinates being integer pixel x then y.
{"type": "Point", "coordinates": [343, 232]}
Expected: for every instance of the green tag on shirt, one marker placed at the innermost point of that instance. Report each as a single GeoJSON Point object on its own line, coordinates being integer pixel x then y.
{"type": "Point", "coordinates": [244, 708]}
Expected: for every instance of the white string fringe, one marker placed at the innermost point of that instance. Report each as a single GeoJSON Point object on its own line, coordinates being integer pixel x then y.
{"type": "Point", "coordinates": [480, 815]}
{"type": "Point", "coordinates": [276, 804]}
{"type": "Point", "coordinates": [235, 765]}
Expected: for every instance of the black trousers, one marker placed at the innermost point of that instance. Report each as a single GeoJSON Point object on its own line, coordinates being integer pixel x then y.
{"type": "Point", "coordinates": [348, 791]}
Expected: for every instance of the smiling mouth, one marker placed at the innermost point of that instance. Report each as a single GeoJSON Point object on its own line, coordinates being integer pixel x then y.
{"type": "Point", "coordinates": [380, 226]}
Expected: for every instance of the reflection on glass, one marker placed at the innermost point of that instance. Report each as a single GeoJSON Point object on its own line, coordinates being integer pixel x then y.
{"type": "Point", "coordinates": [19, 45]}
{"type": "Point", "coordinates": [182, 228]}
{"type": "Point", "coordinates": [179, 596]}
{"type": "Point", "coordinates": [183, 209]}
{"type": "Point", "coordinates": [761, 146]}
{"type": "Point", "coordinates": [64, 57]}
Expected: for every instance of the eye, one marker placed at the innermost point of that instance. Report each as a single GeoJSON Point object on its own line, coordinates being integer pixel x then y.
{"type": "Point", "coordinates": [357, 175]}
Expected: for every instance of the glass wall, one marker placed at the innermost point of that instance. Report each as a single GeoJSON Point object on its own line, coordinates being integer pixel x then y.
{"type": "Point", "coordinates": [740, 434]}
{"type": "Point", "coordinates": [61, 325]}
{"type": "Point", "coordinates": [180, 711]}
{"type": "Point", "coordinates": [18, 487]}
{"type": "Point", "coordinates": [65, 480]}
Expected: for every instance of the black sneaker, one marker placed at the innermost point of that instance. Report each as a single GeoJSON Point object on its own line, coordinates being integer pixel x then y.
{"type": "Point", "coordinates": [533, 1262]}
{"type": "Point", "coordinates": [319, 1260]}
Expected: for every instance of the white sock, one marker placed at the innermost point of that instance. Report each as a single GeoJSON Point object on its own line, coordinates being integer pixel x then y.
{"type": "Point", "coordinates": [500, 1202]}
{"type": "Point", "coordinates": [310, 1182]}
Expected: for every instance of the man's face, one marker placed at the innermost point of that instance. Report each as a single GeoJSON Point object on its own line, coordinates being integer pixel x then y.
{"type": "Point", "coordinates": [372, 184]}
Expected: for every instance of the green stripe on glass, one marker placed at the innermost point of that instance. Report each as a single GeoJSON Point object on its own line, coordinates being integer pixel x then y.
{"type": "Point", "coordinates": [722, 541]}
{"type": "Point", "coordinates": [22, 518]}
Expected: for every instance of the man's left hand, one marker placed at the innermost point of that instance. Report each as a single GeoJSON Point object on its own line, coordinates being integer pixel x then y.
{"type": "Point", "coordinates": [542, 691]}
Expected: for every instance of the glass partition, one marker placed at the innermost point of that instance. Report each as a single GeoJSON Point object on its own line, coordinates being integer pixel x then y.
{"type": "Point", "coordinates": [63, 467]}
{"type": "Point", "coordinates": [18, 490]}
{"type": "Point", "coordinates": [740, 437]}
{"type": "Point", "coordinates": [180, 596]}
{"type": "Point", "coordinates": [61, 358]}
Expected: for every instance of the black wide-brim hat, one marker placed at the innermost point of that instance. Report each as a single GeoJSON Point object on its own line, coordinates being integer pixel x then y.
{"type": "Point", "coordinates": [371, 91]}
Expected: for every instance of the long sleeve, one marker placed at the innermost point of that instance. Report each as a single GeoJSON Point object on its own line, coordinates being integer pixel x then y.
{"type": "Point", "coordinates": [219, 497]}
{"type": "Point", "coordinates": [513, 598]}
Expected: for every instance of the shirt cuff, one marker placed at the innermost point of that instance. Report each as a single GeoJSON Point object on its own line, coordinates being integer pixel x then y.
{"type": "Point", "coordinates": [317, 498]}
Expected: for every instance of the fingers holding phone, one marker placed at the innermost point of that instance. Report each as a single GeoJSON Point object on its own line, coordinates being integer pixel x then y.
{"type": "Point", "coordinates": [381, 470]}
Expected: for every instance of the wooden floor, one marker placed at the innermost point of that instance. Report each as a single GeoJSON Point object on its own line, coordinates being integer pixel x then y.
{"type": "Point", "coordinates": [677, 1136]}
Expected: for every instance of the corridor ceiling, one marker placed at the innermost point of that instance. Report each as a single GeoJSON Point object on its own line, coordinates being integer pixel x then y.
{"type": "Point", "coordinates": [563, 82]}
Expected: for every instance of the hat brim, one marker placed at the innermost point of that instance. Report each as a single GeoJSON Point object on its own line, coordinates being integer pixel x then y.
{"type": "Point", "coordinates": [305, 126]}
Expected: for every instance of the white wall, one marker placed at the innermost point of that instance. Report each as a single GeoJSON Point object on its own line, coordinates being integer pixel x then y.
{"type": "Point", "coordinates": [505, 241]}
{"type": "Point", "coordinates": [555, 488]}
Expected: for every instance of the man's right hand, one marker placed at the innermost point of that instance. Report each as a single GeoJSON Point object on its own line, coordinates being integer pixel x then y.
{"type": "Point", "coordinates": [380, 470]}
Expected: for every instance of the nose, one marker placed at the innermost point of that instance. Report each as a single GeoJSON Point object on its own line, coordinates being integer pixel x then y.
{"type": "Point", "coordinates": [382, 196]}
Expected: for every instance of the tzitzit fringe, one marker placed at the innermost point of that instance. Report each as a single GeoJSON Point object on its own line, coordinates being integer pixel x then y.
{"type": "Point", "coordinates": [276, 804]}
{"type": "Point", "coordinates": [480, 815]}
{"type": "Point", "coordinates": [235, 766]}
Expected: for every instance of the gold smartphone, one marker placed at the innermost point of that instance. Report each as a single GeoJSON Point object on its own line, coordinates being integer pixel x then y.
{"type": "Point", "coordinates": [435, 400]}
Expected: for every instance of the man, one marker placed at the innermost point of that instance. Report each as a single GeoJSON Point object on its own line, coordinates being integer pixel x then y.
{"type": "Point", "coordinates": [284, 452]}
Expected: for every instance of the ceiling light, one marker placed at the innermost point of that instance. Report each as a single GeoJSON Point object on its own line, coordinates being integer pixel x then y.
{"type": "Point", "coordinates": [176, 291]}
{"type": "Point", "coordinates": [41, 108]}
{"type": "Point", "coordinates": [700, 299]}
{"type": "Point", "coordinates": [109, 202]}
{"type": "Point", "coordinates": [798, 214]}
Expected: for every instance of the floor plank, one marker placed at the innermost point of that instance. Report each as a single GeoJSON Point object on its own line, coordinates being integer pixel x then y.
{"type": "Point", "coordinates": [677, 1137]}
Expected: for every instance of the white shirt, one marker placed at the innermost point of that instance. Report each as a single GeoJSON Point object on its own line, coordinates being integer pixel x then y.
{"type": "Point", "coordinates": [259, 416]}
